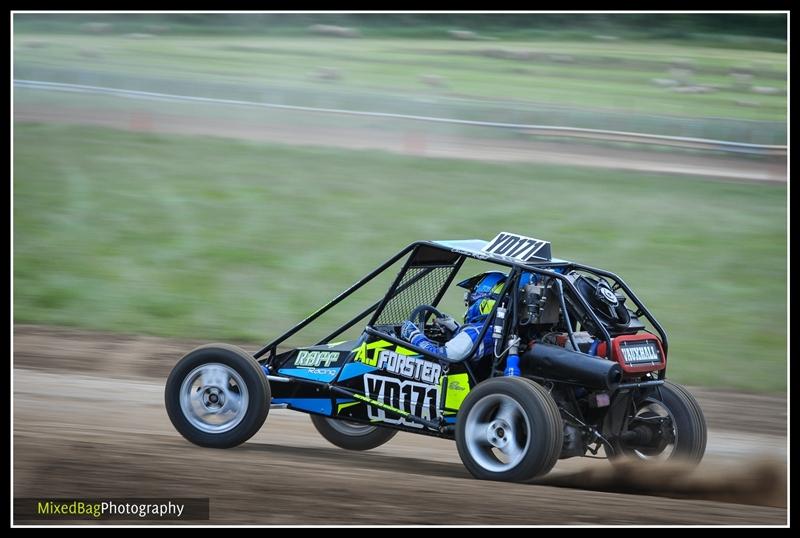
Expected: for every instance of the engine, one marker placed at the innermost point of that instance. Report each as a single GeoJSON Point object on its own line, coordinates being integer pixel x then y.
{"type": "Point", "coordinates": [565, 338]}
{"type": "Point", "coordinates": [551, 318]}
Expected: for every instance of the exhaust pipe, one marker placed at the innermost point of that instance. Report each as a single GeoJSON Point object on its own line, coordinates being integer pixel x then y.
{"type": "Point", "coordinates": [559, 364]}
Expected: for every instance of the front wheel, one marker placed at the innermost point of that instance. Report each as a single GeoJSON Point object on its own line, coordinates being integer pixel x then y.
{"type": "Point", "coordinates": [510, 429]}
{"type": "Point", "coordinates": [217, 396]}
{"type": "Point", "coordinates": [351, 435]}
{"type": "Point", "coordinates": [667, 424]}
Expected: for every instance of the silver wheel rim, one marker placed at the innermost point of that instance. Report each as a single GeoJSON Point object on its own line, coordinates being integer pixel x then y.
{"type": "Point", "coordinates": [497, 433]}
{"type": "Point", "coordinates": [353, 429]}
{"type": "Point", "coordinates": [214, 398]}
{"type": "Point", "coordinates": [658, 409]}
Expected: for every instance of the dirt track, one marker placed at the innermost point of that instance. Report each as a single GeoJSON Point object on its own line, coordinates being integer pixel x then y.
{"type": "Point", "coordinates": [415, 141]}
{"type": "Point", "coordinates": [89, 421]}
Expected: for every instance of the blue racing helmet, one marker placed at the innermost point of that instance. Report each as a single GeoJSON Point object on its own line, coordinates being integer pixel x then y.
{"type": "Point", "coordinates": [483, 290]}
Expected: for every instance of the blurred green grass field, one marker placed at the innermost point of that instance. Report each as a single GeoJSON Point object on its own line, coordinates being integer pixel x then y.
{"type": "Point", "coordinates": [220, 239]}
{"type": "Point", "coordinates": [612, 76]}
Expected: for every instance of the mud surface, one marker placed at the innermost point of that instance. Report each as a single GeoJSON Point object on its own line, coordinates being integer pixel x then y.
{"type": "Point", "coordinates": [89, 420]}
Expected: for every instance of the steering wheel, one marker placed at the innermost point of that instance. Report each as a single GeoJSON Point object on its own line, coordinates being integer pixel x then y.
{"type": "Point", "coordinates": [420, 317]}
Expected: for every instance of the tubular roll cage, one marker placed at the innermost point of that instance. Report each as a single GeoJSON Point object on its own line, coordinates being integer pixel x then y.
{"type": "Point", "coordinates": [453, 257]}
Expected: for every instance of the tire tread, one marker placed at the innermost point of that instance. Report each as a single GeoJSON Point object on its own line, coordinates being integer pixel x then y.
{"type": "Point", "coordinates": [369, 441]}
{"type": "Point", "coordinates": [250, 424]}
{"type": "Point", "coordinates": [550, 428]}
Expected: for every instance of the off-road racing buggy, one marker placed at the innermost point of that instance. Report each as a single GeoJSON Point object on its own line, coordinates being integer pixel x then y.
{"type": "Point", "coordinates": [579, 366]}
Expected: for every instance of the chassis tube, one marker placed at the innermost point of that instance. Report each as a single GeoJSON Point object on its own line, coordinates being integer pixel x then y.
{"type": "Point", "coordinates": [608, 274]}
{"type": "Point", "coordinates": [567, 321]}
{"type": "Point", "coordinates": [336, 300]}
{"type": "Point", "coordinates": [375, 305]}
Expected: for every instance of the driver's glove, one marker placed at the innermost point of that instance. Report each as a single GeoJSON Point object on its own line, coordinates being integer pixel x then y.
{"type": "Point", "coordinates": [448, 323]}
{"type": "Point", "coordinates": [408, 331]}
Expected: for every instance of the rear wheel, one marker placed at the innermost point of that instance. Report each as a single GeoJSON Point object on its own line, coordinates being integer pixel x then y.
{"type": "Point", "coordinates": [351, 435]}
{"type": "Point", "coordinates": [509, 428]}
{"type": "Point", "coordinates": [667, 424]}
{"type": "Point", "coordinates": [217, 396]}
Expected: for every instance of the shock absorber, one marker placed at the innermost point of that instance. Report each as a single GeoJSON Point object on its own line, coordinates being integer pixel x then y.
{"type": "Point", "coordinates": [497, 335]}
{"type": "Point", "coordinates": [512, 362]}
{"type": "Point", "coordinates": [499, 325]}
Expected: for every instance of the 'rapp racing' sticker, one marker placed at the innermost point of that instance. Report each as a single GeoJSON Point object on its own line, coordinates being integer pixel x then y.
{"type": "Point", "coordinates": [315, 359]}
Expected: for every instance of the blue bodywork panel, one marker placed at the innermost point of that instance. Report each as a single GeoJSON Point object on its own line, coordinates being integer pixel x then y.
{"type": "Point", "coordinates": [314, 405]}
